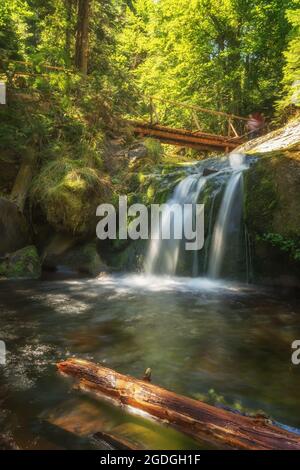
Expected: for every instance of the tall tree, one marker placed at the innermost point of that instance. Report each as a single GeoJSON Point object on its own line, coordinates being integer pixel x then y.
{"type": "Point", "coordinates": [82, 36]}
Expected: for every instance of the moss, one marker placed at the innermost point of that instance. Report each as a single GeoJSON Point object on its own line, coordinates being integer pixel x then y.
{"type": "Point", "coordinates": [272, 198]}
{"type": "Point", "coordinates": [22, 264]}
{"type": "Point", "coordinates": [261, 197]}
{"type": "Point", "coordinates": [68, 193]}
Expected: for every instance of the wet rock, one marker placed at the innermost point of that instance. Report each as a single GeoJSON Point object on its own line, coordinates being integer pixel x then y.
{"type": "Point", "coordinates": [82, 258]}
{"type": "Point", "coordinates": [22, 264]}
{"type": "Point", "coordinates": [14, 230]}
{"type": "Point", "coordinates": [209, 171]}
{"type": "Point", "coordinates": [280, 139]}
{"type": "Point", "coordinates": [59, 244]}
{"type": "Point", "coordinates": [138, 150]}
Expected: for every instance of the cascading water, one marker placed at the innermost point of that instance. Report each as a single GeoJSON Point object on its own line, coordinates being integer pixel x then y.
{"type": "Point", "coordinates": [227, 229]}
{"type": "Point", "coordinates": [223, 249]}
{"type": "Point", "coordinates": [163, 254]}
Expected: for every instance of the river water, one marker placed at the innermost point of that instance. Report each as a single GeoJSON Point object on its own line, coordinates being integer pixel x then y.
{"type": "Point", "coordinates": [229, 343]}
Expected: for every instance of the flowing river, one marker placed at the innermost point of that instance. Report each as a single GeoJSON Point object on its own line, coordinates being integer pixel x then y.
{"type": "Point", "coordinates": [225, 342]}
{"type": "Point", "coordinates": [203, 338]}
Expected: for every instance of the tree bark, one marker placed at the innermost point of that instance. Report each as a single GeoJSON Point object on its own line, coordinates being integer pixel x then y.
{"type": "Point", "coordinates": [82, 36]}
{"type": "Point", "coordinates": [23, 179]}
{"type": "Point", "coordinates": [194, 418]}
{"type": "Point", "coordinates": [69, 7]}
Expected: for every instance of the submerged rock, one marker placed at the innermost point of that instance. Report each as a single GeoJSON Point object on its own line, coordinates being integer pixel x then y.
{"type": "Point", "coordinates": [22, 264]}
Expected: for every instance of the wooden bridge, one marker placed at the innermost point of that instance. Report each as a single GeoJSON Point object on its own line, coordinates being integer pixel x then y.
{"type": "Point", "coordinates": [195, 137]}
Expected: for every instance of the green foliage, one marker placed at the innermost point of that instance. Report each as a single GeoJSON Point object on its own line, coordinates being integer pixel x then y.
{"type": "Point", "coordinates": [224, 55]}
{"type": "Point", "coordinates": [291, 79]}
{"type": "Point", "coordinates": [290, 246]}
{"type": "Point", "coordinates": [22, 264]}
{"type": "Point", "coordinates": [154, 149]}
{"type": "Point", "coordinates": [9, 40]}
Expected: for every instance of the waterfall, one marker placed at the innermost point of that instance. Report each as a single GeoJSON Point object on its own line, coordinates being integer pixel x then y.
{"type": "Point", "coordinates": [225, 254]}
{"type": "Point", "coordinates": [163, 255]}
{"type": "Point", "coordinates": [227, 227]}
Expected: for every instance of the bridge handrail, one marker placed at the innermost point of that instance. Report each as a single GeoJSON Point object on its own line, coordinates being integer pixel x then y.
{"type": "Point", "coordinates": [198, 108]}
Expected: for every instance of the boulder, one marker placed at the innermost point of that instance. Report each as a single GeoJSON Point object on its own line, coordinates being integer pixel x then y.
{"type": "Point", "coordinates": [138, 150]}
{"type": "Point", "coordinates": [22, 264]}
{"type": "Point", "coordinates": [83, 258]}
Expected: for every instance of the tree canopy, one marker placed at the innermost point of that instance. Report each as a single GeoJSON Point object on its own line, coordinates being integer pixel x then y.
{"type": "Point", "coordinates": [231, 55]}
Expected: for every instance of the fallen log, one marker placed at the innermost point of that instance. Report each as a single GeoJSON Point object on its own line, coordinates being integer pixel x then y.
{"type": "Point", "coordinates": [201, 421]}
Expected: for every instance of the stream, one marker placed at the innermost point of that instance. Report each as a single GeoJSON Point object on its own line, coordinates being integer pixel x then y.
{"type": "Point", "coordinates": [190, 317]}
{"type": "Point", "coordinates": [204, 338]}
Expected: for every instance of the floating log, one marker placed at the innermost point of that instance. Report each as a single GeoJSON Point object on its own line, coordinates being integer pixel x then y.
{"type": "Point", "coordinates": [201, 421]}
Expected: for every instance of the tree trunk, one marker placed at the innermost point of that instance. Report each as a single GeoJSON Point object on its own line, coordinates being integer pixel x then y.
{"type": "Point", "coordinates": [192, 417]}
{"type": "Point", "coordinates": [82, 36]}
{"type": "Point", "coordinates": [24, 177]}
{"type": "Point", "coordinates": [69, 6]}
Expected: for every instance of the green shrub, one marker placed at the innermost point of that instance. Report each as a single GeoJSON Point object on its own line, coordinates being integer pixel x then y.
{"type": "Point", "coordinates": [154, 148]}
{"type": "Point", "coordinates": [292, 247]}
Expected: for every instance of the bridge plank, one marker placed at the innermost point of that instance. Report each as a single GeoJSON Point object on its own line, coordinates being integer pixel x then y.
{"type": "Point", "coordinates": [183, 137]}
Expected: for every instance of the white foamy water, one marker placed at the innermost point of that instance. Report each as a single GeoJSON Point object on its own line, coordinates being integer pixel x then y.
{"type": "Point", "coordinates": [237, 161]}
{"type": "Point", "coordinates": [226, 218]}
{"type": "Point", "coordinates": [163, 254]}
{"type": "Point", "coordinates": [133, 283]}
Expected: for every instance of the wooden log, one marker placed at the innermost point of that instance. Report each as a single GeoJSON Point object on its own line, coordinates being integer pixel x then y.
{"type": "Point", "coordinates": [194, 418]}
{"type": "Point", "coordinates": [182, 137]}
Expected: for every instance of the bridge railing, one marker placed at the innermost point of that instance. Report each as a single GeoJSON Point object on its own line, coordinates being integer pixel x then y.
{"type": "Point", "coordinates": [156, 110]}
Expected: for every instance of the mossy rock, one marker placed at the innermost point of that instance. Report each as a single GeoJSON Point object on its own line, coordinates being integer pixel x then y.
{"type": "Point", "coordinates": [272, 193]}
{"type": "Point", "coordinates": [22, 264]}
{"type": "Point", "coordinates": [129, 257]}
{"type": "Point", "coordinates": [68, 193]}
